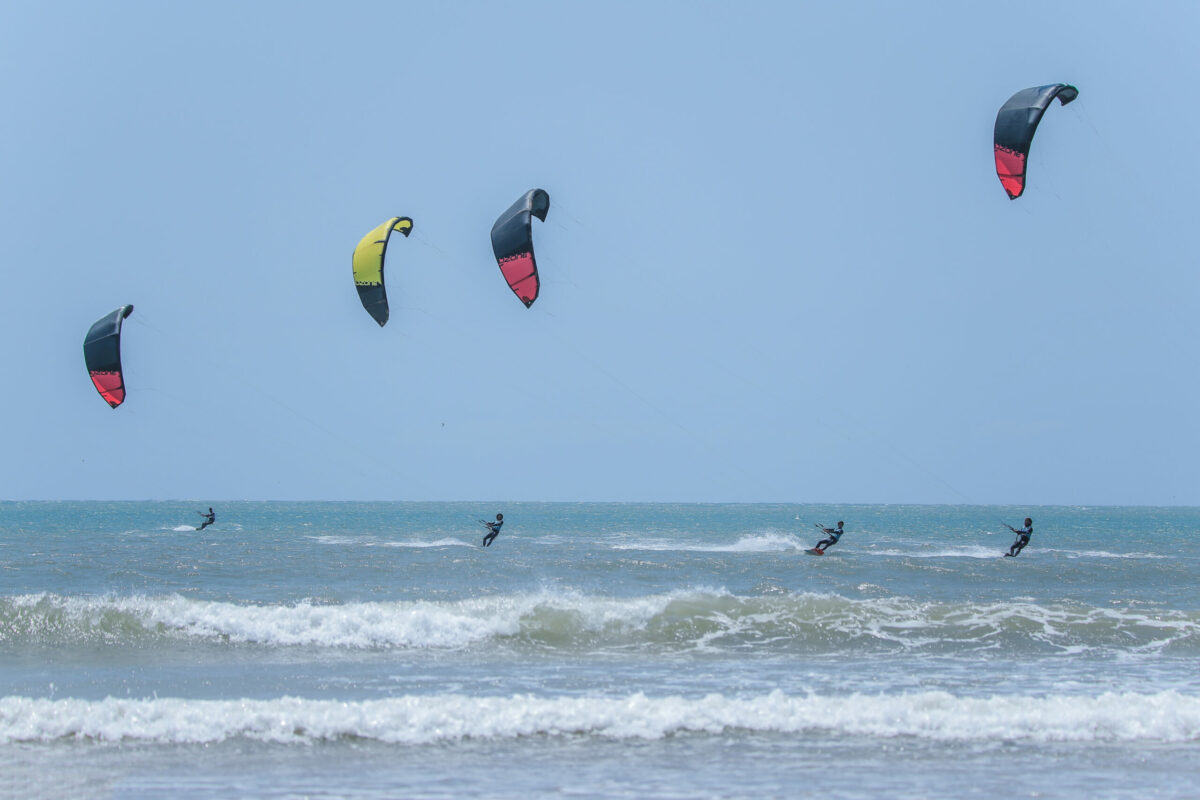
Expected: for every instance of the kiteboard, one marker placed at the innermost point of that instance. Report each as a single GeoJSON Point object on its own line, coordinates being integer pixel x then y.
{"type": "Point", "coordinates": [812, 551]}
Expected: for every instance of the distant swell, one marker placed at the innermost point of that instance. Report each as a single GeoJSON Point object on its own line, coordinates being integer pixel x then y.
{"type": "Point", "coordinates": [1164, 717]}
{"type": "Point", "coordinates": [696, 620]}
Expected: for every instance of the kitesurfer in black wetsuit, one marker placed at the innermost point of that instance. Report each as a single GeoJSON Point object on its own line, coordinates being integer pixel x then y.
{"type": "Point", "coordinates": [209, 518]}
{"type": "Point", "coordinates": [493, 530]}
{"type": "Point", "coordinates": [1023, 535]}
{"type": "Point", "coordinates": [834, 535]}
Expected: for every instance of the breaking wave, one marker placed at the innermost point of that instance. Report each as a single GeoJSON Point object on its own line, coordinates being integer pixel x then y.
{"type": "Point", "coordinates": [1129, 717]}
{"type": "Point", "coordinates": [686, 620]}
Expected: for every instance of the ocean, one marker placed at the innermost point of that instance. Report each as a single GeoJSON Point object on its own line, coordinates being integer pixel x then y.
{"type": "Point", "coordinates": [596, 650]}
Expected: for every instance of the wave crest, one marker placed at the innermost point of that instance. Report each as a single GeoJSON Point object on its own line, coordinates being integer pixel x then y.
{"type": "Point", "coordinates": [1165, 716]}
{"type": "Point", "coordinates": [701, 619]}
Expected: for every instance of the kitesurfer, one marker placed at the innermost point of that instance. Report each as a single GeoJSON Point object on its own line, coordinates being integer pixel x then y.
{"type": "Point", "coordinates": [1023, 535]}
{"type": "Point", "coordinates": [493, 530]}
{"type": "Point", "coordinates": [209, 518]}
{"type": "Point", "coordinates": [834, 535]}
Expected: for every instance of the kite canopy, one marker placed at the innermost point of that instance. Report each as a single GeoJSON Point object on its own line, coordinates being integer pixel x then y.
{"type": "Point", "coordinates": [512, 242]}
{"type": "Point", "coordinates": [102, 355]}
{"type": "Point", "coordinates": [368, 260]}
{"type": "Point", "coordinates": [1015, 125]}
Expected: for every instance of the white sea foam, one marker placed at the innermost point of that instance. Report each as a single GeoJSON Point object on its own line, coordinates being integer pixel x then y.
{"type": "Point", "coordinates": [450, 542]}
{"type": "Point", "coordinates": [1128, 717]}
{"type": "Point", "coordinates": [332, 539]}
{"type": "Point", "coordinates": [1105, 554]}
{"type": "Point", "coordinates": [766, 542]}
{"type": "Point", "coordinates": [416, 624]}
{"type": "Point", "coordinates": [370, 541]}
{"type": "Point", "coordinates": [968, 551]}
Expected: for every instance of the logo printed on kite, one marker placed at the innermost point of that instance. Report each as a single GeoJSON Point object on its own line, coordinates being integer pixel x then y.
{"type": "Point", "coordinates": [521, 274]}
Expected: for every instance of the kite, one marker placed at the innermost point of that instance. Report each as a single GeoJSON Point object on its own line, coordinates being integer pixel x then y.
{"type": "Point", "coordinates": [102, 355]}
{"type": "Point", "coordinates": [512, 242]}
{"type": "Point", "coordinates": [368, 260]}
{"type": "Point", "coordinates": [1015, 124]}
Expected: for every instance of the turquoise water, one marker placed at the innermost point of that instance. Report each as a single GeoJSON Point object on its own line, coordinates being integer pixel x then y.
{"type": "Point", "coordinates": [596, 650]}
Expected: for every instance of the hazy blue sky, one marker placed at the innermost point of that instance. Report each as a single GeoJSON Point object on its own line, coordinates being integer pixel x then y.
{"type": "Point", "coordinates": [778, 265]}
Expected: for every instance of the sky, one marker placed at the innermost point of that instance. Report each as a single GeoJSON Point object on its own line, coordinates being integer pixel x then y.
{"type": "Point", "coordinates": [778, 265]}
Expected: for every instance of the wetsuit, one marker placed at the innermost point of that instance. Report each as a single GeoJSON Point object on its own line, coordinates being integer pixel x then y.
{"type": "Point", "coordinates": [1023, 535]}
{"type": "Point", "coordinates": [493, 531]}
{"type": "Point", "coordinates": [834, 535]}
{"type": "Point", "coordinates": [209, 519]}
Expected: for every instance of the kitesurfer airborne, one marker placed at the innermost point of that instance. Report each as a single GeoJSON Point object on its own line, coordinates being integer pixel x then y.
{"type": "Point", "coordinates": [1023, 535]}
{"type": "Point", "coordinates": [493, 530]}
{"type": "Point", "coordinates": [834, 535]}
{"type": "Point", "coordinates": [209, 518]}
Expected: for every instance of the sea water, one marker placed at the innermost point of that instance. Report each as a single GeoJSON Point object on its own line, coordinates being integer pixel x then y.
{"type": "Point", "coordinates": [596, 651]}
